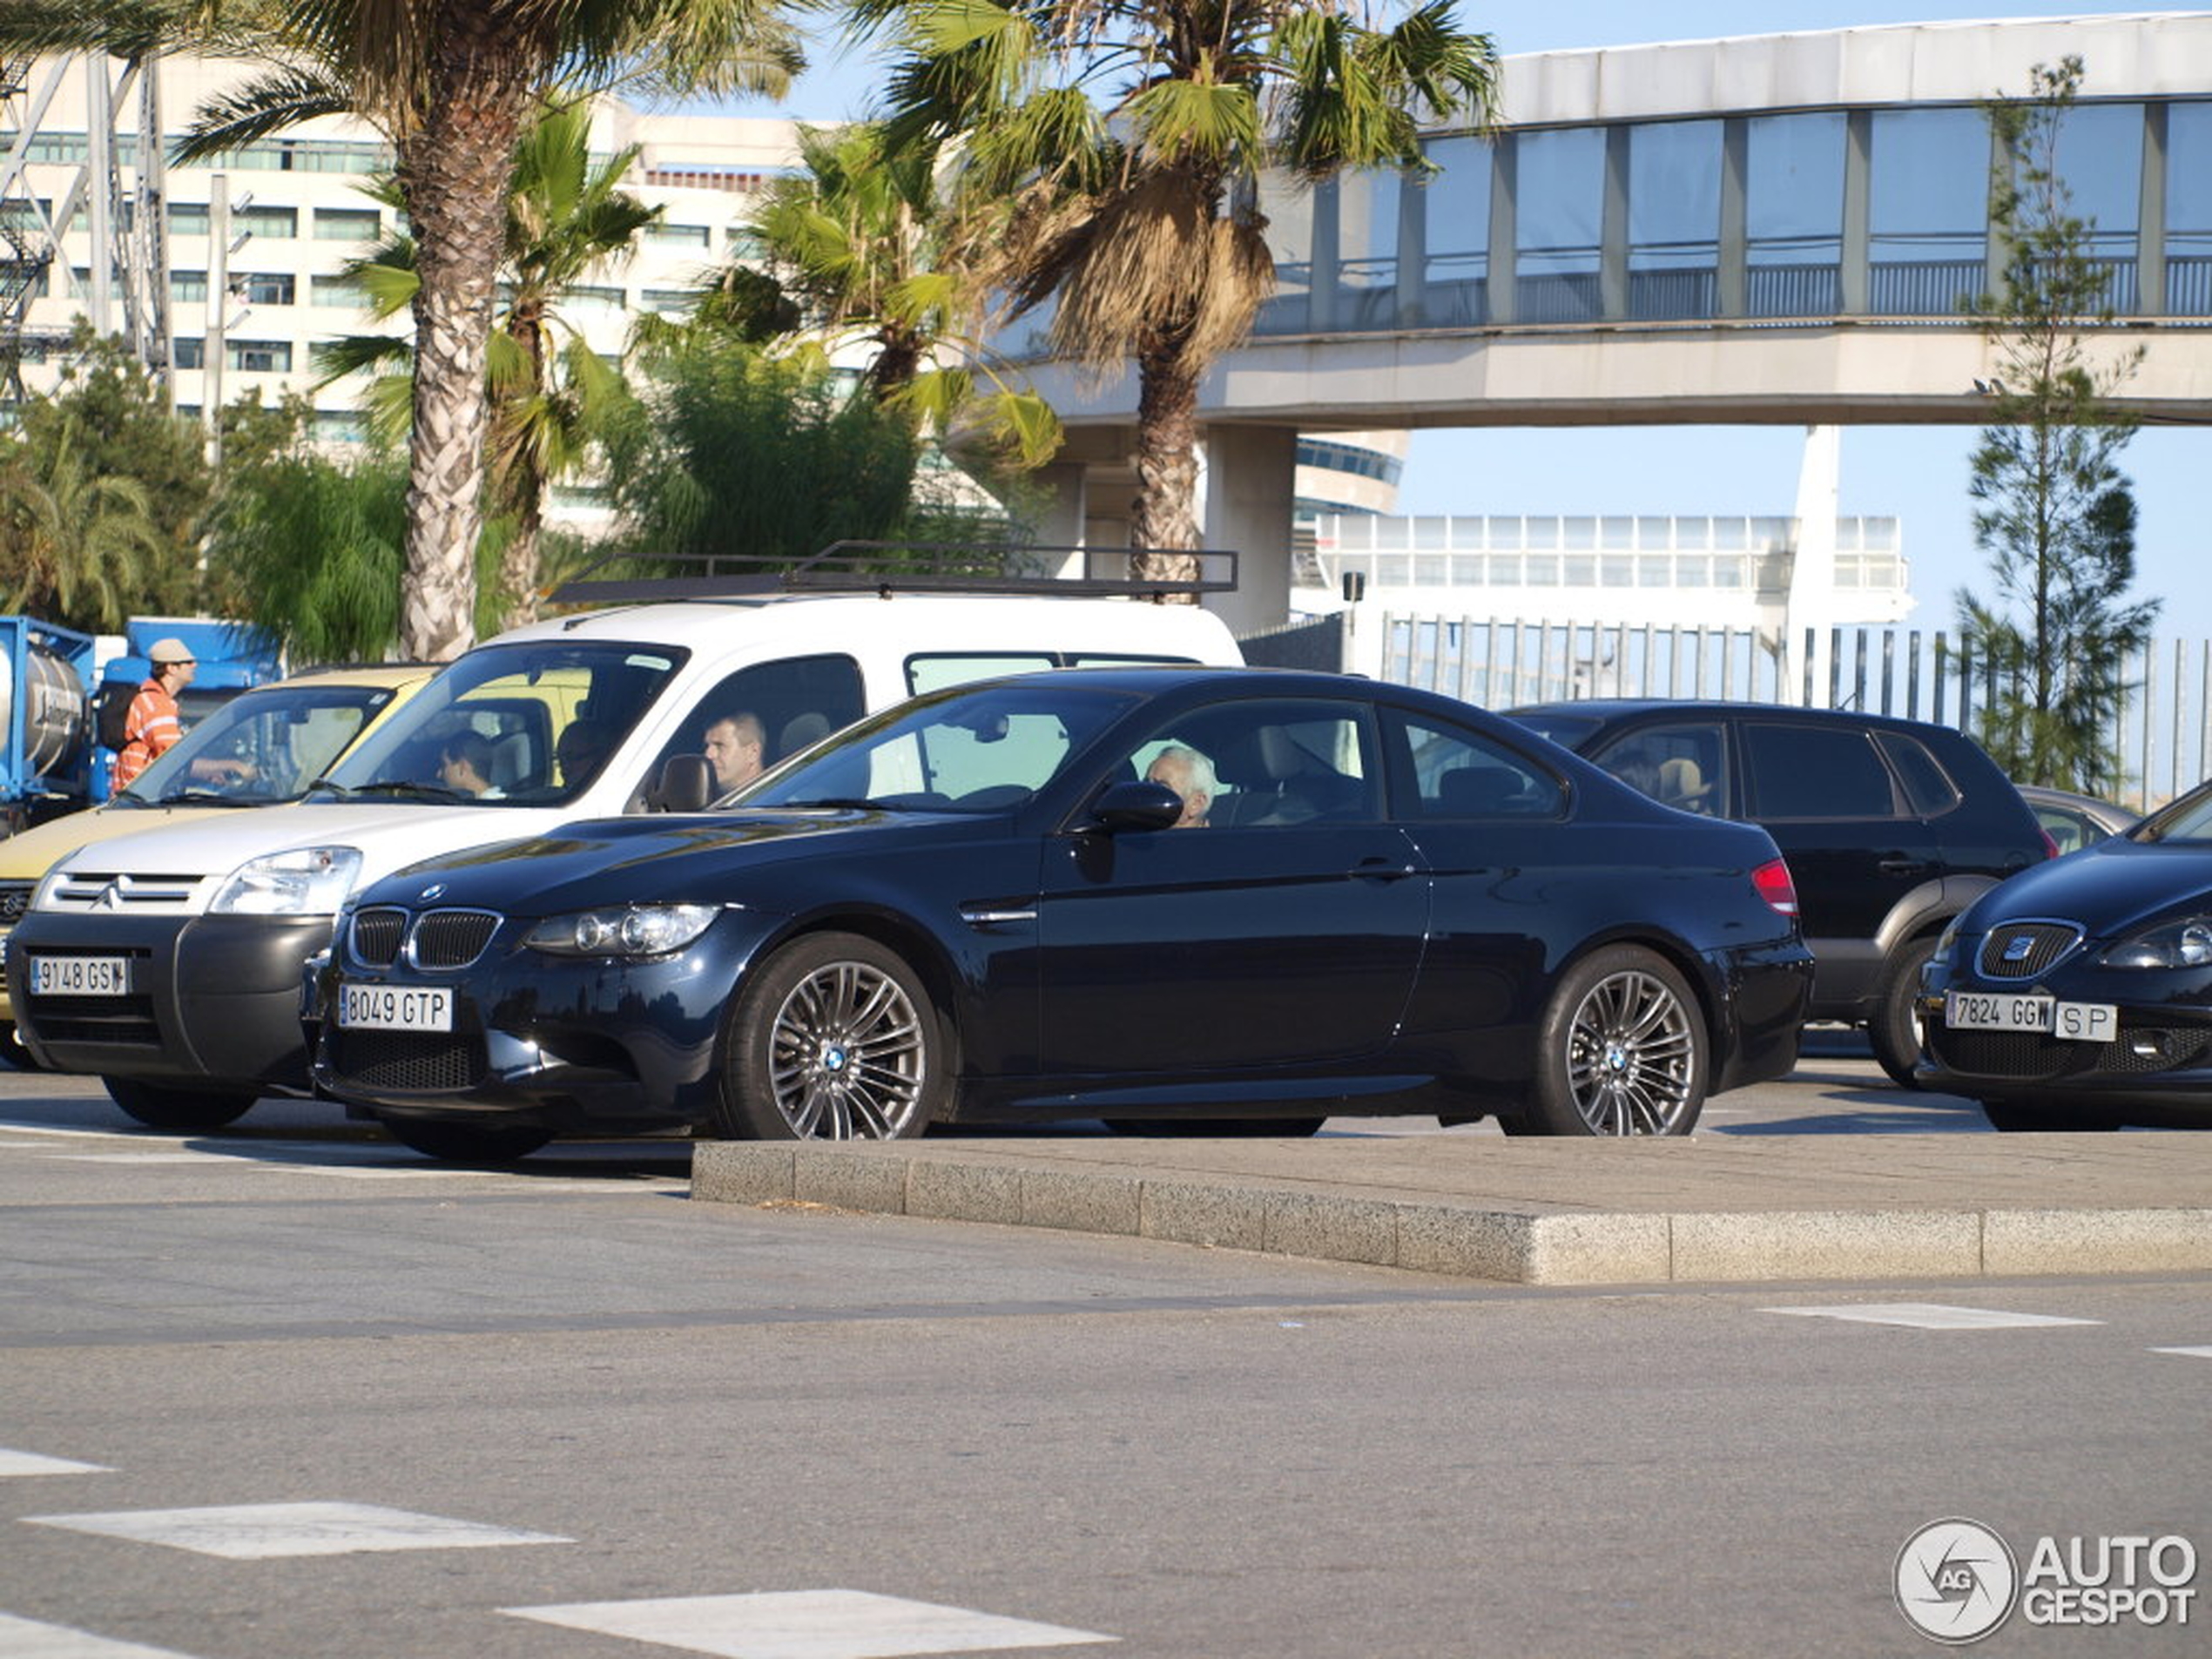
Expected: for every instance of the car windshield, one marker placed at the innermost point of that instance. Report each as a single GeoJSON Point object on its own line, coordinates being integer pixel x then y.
{"type": "Point", "coordinates": [528, 725]}
{"type": "Point", "coordinates": [980, 749]}
{"type": "Point", "coordinates": [2189, 819]}
{"type": "Point", "coordinates": [262, 747]}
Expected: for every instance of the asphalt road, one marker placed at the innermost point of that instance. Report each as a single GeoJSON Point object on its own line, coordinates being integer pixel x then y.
{"type": "Point", "coordinates": [688, 1428]}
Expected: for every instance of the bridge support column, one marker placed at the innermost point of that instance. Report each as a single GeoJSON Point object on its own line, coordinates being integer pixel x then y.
{"type": "Point", "coordinates": [1808, 651]}
{"type": "Point", "coordinates": [1250, 485]}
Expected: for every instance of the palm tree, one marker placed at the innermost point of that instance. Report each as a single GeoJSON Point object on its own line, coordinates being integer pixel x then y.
{"type": "Point", "coordinates": [566, 216]}
{"type": "Point", "coordinates": [876, 253]}
{"type": "Point", "coordinates": [78, 543]}
{"type": "Point", "coordinates": [1125, 140]}
{"type": "Point", "coordinates": [452, 84]}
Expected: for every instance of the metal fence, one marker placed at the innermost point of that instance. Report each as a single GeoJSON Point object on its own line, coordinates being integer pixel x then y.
{"type": "Point", "coordinates": [2162, 732]}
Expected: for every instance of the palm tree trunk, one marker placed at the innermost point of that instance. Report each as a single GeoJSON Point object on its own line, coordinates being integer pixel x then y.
{"type": "Point", "coordinates": [457, 167]}
{"type": "Point", "coordinates": [1166, 511]}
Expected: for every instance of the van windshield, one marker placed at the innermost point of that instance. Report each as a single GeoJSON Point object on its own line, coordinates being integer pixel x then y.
{"type": "Point", "coordinates": [260, 748]}
{"type": "Point", "coordinates": [528, 725]}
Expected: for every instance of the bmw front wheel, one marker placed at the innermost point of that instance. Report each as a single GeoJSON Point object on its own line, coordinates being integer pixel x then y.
{"type": "Point", "coordinates": [1621, 1050]}
{"type": "Point", "coordinates": [833, 1039]}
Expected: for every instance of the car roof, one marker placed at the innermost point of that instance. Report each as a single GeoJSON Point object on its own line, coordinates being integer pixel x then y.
{"type": "Point", "coordinates": [1609, 708]}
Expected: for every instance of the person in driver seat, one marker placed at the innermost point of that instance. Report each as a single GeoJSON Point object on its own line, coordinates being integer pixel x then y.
{"type": "Point", "coordinates": [1191, 776]}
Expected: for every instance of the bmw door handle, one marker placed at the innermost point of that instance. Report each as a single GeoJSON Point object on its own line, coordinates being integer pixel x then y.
{"type": "Point", "coordinates": [1901, 865]}
{"type": "Point", "coordinates": [1382, 870]}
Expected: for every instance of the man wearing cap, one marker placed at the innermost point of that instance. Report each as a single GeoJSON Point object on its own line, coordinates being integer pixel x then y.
{"type": "Point", "coordinates": [152, 723]}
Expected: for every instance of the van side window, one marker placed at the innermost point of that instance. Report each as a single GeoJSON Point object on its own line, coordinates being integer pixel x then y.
{"type": "Point", "coordinates": [1812, 771]}
{"type": "Point", "coordinates": [1926, 785]}
{"type": "Point", "coordinates": [791, 703]}
{"type": "Point", "coordinates": [1684, 766]}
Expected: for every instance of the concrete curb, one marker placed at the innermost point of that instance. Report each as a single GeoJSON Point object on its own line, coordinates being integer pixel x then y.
{"type": "Point", "coordinates": [1533, 1244]}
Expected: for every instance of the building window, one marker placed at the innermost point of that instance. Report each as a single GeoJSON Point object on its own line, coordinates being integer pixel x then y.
{"type": "Point", "coordinates": [340, 425]}
{"type": "Point", "coordinates": [336, 293]}
{"type": "Point", "coordinates": [187, 219]}
{"type": "Point", "coordinates": [260, 356]}
{"type": "Point", "coordinates": [347, 224]}
{"type": "Point", "coordinates": [266, 287]}
{"type": "Point", "coordinates": [188, 351]}
{"type": "Point", "coordinates": [273, 224]}
{"type": "Point", "coordinates": [680, 235]}
{"type": "Point", "coordinates": [188, 285]}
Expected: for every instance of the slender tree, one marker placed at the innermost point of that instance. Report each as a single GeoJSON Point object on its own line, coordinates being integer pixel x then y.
{"type": "Point", "coordinates": [1123, 141]}
{"type": "Point", "coordinates": [2053, 511]}
{"type": "Point", "coordinates": [551, 393]}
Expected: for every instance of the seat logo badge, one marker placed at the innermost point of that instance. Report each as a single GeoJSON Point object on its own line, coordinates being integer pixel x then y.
{"type": "Point", "coordinates": [2017, 947]}
{"type": "Point", "coordinates": [432, 891]}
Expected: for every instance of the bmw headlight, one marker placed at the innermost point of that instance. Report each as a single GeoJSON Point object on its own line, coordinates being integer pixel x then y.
{"type": "Point", "coordinates": [2178, 944]}
{"type": "Point", "coordinates": [306, 881]}
{"type": "Point", "coordinates": [632, 930]}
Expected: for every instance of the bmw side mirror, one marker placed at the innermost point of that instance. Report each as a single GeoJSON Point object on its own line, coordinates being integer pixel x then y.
{"type": "Point", "coordinates": [686, 784]}
{"type": "Point", "coordinates": [1132, 805]}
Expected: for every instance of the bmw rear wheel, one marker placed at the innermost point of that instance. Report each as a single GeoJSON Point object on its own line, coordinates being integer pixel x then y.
{"type": "Point", "coordinates": [833, 1039]}
{"type": "Point", "coordinates": [1621, 1050]}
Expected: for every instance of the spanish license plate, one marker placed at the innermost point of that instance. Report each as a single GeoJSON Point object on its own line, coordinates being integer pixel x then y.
{"type": "Point", "coordinates": [80, 976]}
{"type": "Point", "coordinates": [393, 1007]}
{"type": "Point", "coordinates": [2075, 1021]}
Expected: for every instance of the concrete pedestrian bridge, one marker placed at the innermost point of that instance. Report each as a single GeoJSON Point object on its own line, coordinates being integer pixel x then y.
{"type": "Point", "coordinates": [1773, 229]}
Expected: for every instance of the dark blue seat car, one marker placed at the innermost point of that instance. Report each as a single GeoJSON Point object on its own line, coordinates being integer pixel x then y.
{"type": "Point", "coordinates": [1181, 897]}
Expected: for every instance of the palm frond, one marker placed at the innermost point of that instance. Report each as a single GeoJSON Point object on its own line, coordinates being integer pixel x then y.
{"type": "Point", "coordinates": [269, 103]}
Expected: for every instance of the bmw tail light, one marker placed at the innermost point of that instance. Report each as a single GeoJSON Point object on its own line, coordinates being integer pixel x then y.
{"type": "Point", "coordinates": [2050, 846]}
{"type": "Point", "coordinates": [1772, 880]}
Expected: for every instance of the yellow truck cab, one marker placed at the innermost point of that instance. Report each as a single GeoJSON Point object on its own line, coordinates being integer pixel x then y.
{"type": "Point", "coordinates": [262, 748]}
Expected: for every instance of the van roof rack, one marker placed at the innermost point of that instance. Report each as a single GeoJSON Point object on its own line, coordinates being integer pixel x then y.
{"type": "Point", "coordinates": [888, 568]}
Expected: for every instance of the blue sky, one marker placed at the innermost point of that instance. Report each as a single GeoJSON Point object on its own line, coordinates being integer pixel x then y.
{"type": "Point", "coordinates": [1916, 473]}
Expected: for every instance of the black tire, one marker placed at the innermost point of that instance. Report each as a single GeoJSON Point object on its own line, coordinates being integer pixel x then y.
{"type": "Point", "coordinates": [1219, 1129]}
{"type": "Point", "coordinates": [14, 1050]}
{"type": "Point", "coordinates": [158, 1106]}
{"type": "Point", "coordinates": [2017, 1117]}
{"type": "Point", "coordinates": [1893, 1031]}
{"type": "Point", "coordinates": [1621, 1051]}
{"type": "Point", "coordinates": [459, 1142]}
{"type": "Point", "coordinates": [835, 1038]}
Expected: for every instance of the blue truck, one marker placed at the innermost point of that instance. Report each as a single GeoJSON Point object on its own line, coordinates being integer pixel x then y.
{"type": "Point", "coordinates": [57, 684]}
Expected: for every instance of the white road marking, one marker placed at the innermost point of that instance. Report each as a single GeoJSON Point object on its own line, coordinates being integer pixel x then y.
{"type": "Point", "coordinates": [2189, 1354]}
{"type": "Point", "coordinates": [28, 1639]}
{"type": "Point", "coordinates": [265, 1531]}
{"type": "Point", "coordinates": [1929, 1316]}
{"type": "Point", "coordinates": [807, 1624]}
{"type": "Point", "coordinates": [39, 1463]}
{"type": "Point", "coordinates": [128, 1157]}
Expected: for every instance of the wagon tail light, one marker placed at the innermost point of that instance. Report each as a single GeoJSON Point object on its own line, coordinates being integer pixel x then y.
{"type": "Point", "coordinates": [1774, 884]}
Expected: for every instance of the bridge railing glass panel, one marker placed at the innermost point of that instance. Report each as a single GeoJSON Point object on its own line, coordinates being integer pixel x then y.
{"type": "Point", "coordinates": [1367, 251]}
{"type": "Point", "coordinates": [2188, 210]}
{"type": "Point", "coordinates": [1928, 211]}
{"type": "Point", "coordinates": [1673, 219]}
{"type": "Point", "coordinates": [1559, 197]}
{"type": "Point", "coordinates": [1793, 215]}
{"type": "Point", "coordinates": [1288, 208]}
{"type": "Point", "coordinates": [1455, 208]}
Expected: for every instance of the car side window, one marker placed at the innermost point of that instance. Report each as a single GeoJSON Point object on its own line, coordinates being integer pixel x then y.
{"type": "Point", "coordinates": [1683, 766]}
{"type": "Point", "coordinates": [1928, 786]}
{"type": "Point", "coordinates": [1812, 771]}
{"type": "Point", "coordinates": [1457, 773]}
{"type": "Point", "coordinates": [777, 707]}
{"type": "Point", "coordinates": [1267, 765]}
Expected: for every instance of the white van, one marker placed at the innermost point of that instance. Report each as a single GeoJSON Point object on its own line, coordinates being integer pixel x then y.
{"type": "Point", "coordinates": [169, 963]}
